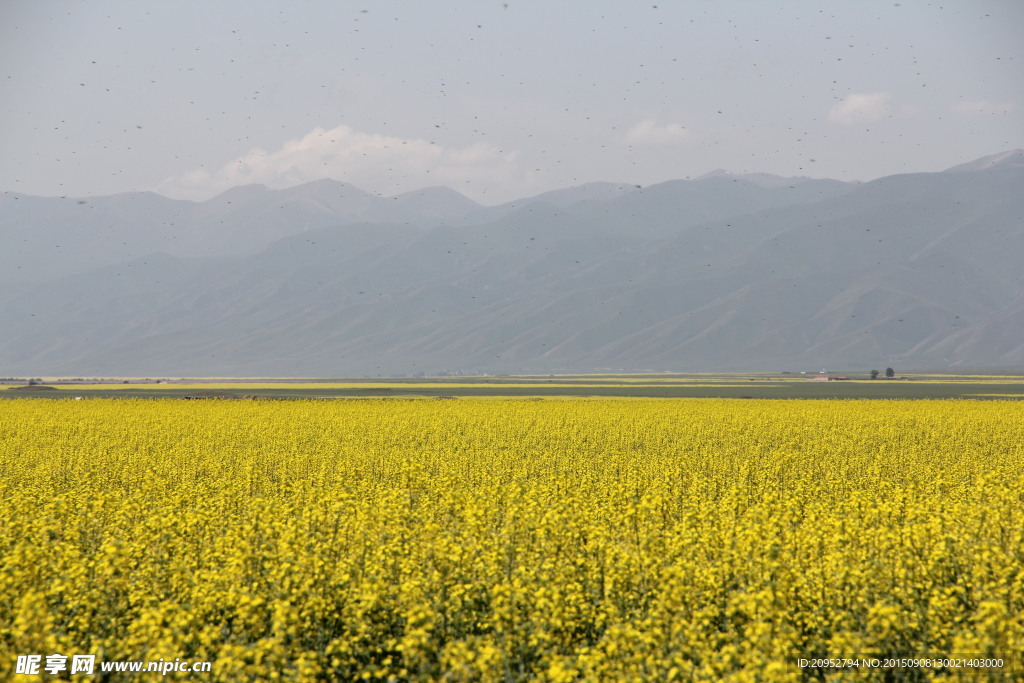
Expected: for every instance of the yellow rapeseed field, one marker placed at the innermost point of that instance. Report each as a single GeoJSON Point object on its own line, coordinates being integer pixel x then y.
{"type": "Point", "coordinates": [508, 540]}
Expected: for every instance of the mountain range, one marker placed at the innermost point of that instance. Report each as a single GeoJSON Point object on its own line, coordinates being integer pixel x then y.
{"type": "Point", "coordinates": [726, 272]}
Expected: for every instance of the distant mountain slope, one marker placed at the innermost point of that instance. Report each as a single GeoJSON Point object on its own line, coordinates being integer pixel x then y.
{"type": "Point", "coordinates": [43, 236]}
{"type": "Point", "coordinates": [1014, 157]}
{"type": "Point", "coordinates": [914, 270]}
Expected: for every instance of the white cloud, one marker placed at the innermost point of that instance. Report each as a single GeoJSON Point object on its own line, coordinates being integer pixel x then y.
{"type": "Point", "coordinates": [983, 106]}
{"type": "Point", "coordinates": [860, 107]}
{"type": "Point", "coordinates": [373, 162]}
{"type": "Point", "coordinates": [651, 132]}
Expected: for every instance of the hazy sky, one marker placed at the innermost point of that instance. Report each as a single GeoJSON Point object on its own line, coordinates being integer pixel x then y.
{"type": "Point", "coordinates": [497, 100]}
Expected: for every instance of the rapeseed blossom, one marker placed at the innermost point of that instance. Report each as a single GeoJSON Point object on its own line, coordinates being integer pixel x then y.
{"type": "Point", "coordinates": [495, 540]}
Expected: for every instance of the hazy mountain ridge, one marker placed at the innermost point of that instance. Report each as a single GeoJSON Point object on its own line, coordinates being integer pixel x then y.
{"type": "Point", "coordinates": [77, 234]}
{"type": "Point", "coordinates": [41, 237]}
{"type": "Point", "coordinates": [717, 274]}
{"type": "Point", "coordinates": [1011, 158]}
